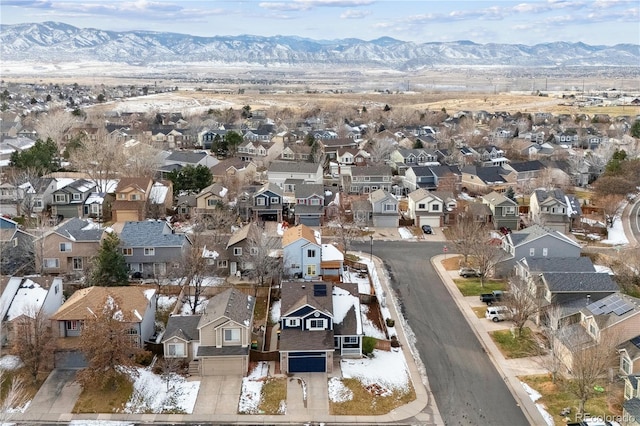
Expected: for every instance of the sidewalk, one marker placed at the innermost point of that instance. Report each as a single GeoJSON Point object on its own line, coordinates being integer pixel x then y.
{"type": "Point", "coordinates": [509, 369]}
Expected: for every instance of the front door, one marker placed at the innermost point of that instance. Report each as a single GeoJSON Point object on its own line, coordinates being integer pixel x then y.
{"type": "Point", "coordinates": [233, 268]}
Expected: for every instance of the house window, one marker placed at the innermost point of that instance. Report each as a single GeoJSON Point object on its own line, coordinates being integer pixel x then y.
{"type": "Point", "coordinates": [222, 263]}
{"type": "Point", "coordinates": [367, 178]}
{"type": "Point", "coordinates": [311, 269]}
{"type": "Point", "coordinates": [351, 339]}
{"type": "Point", "coordinates": [60, 198]}
{"type": "Point", "coordinates": [37, 203]}
{"type": "Point", "coordinates": [260, 201]}
{"type": "Point", "coordinates": [52, 263]}
{"type": "Point", "coordinates": [293, 322]}
{"type": "Point", "coordinates": [510, 210]}
{"type": "Point", "coordinates": [77, 263]}
{"type": "Point", "coordinates": [389, 207]}
{"type": "Point", "coordinates": [532, 251]}
{"type": "Point", "coordinates": [274, 200]}
{"type": "Point", "coordinates": [127, 251]}
{"type": "Point", "coordinates": [76, 197]}
{"type": "Point", "coordinates": [316, 324]}
{"type": "Point", "coordinates": [237, 251]}
{"type": "Point", "coordinates": [64, 247]}
{"type": "Point", "coordinates": [545, 251]}
{"type": "Point", "coordinates": [253, 251]}
{"type": "Point", "coordinates": [95, 208]}
{"type": "Point", "coordinates": [592, 329]}
{"type": "Point", "coordinates": [422, 206]}
{"type": "Point", "coordinates": [232, 335]}
{"type": "Point", "coordinates": [175, 350]}
{"type": "Point", "coordinates": [625, 365]}
{"type": "Point", "coordinates": [72, 325]}
{"type": "Point", "coordinates": [211, 202]}
{"type": "Point", "coordinates": [149, 251]}
{"type": "Point", "coordinates": [134, 197]}
{"type": "Point", "coordinates": [435, 207]}
{"type": "Point", "coordinates": [315, 202]}
{"type": "Point", "coordinates": [628, 391]}
{"type": "Point", "coordinates": [311, 253]}
{"type": "Point", "coordinates": [122, 196]}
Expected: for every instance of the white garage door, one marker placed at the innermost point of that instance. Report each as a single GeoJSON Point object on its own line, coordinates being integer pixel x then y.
{"type": "Point", "coordinates": [434, 221]}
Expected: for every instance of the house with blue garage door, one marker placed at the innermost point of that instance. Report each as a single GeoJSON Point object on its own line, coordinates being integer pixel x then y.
{"type": "Point", "coordinates": [317, 320]}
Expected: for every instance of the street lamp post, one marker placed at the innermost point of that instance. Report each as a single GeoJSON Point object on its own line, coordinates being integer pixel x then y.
{"type": "Point", "coordinates": [371, 249]}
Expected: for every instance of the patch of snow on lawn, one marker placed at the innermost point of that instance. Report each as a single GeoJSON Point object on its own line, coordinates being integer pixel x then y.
{"type": "Point", "coordinates": [535, 395]}
{"type": "Point", "coordinates": [386, 369]}
{"type": "Point", "coordinates": [166, 302]}
{"type": "Point", "coordinates": [368, 327]}
{"type": "Point", "coordinates": [212, 281]}
{"type": "Point", "coordinates": [157, 394]}
{"type": "Point", "coordinates": [275, 311]}
{"type": "Point", "coordinates": [338, 392]}
{"type": "Point", "coordinates": [250, 395]}
{"type": "Point", "coordinates": [405, 233]}
{"type": "Point", "coordinates": [186, 308]}
{"type": "Point", "coordinates": [10, 362]}
{"type": "Point", "coordinates": [603, 269]}
{"type": "Point", "coordinates": [616, 234]}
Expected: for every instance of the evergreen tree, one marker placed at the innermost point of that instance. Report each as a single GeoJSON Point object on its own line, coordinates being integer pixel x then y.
{"type": "Point", "coordinates": [510, 194]}
{"type": "Point", "coordinates": [233, 139]}
{"type": "Point", "coordinates": [418, 144]}
{"type": "Point", "coordinates": [42, 157]}
{"type": "Point", "coordinates": [109, 266]}
{"type": "Point", "coordinates": [191, 179]}
{"type": "Point", "coordinates": [635, 129]}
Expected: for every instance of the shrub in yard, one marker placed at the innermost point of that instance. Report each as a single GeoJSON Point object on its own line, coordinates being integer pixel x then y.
{"type": "Point", "coordinates": [144, 358]}
{"type": "Point", "coordinates": [368, 345]}
{"type": "Point", "coordinates": [394, 342]}
{"type": "Point", "coordinates": [390, 322]}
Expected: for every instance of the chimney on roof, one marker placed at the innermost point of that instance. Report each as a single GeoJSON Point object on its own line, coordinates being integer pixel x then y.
{"type": "Point", "coordinates": [588, 299]}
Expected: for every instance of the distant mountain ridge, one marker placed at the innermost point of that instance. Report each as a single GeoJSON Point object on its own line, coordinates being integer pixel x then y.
{"type": "Point", "coordinates": [59, 42]}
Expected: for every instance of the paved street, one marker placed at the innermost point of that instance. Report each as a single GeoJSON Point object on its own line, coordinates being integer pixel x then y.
{"type": "Point", "coordinates": [466, 386]}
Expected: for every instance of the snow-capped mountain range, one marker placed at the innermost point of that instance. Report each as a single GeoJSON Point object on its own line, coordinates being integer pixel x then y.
{"type": "Point", "coordinates": [58, 42]}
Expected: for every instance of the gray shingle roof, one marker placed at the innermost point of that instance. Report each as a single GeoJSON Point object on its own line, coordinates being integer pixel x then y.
{"type": "Point", "coordinates": [292, 339]}
{"type": "Point", "coordinates": [222, 351]}
{"type": "Point", "coordinates": [560, 264]}
{"type": "Point", "coordinates": [293, 167]}
{"type": "Point", "coordinates": [632, 406]}
{"type": "Point", "coordinates": [536, 231]}
{"type": "Point", "coordinates": [306, 190]}
{"type": "Point", "coordinates": [150, 233]}
{"type": "Point", "coordinates": [80, 230]}
{"type": "Point", "coordinates": [527, 166]}
{"type": "Point", "coordinates": [186, 157]}
{"type": "Point", "coordinates": [561, 282]}
{"type": "Point", "coordinates": [371, 171]}
{"type": "Point", "coordinates": [297, 294]}
{"type": "Point", "coordinates": [232, 304]}
{"type": "Point", "coordinates": [182, 326]}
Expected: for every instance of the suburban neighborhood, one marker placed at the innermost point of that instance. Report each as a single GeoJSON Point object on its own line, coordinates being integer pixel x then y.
{"type": "Point", "coordinates": [154, 263]}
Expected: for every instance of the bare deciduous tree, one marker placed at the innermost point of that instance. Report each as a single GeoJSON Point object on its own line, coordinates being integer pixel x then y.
{"type": "Point", "coordinates": [552, 330]}
{"type": "Point", "coordinates": [195, 268]}
{"type": "Point", "coordinates": [486, 253]}
{"type": "Point", "coordinates": [141, 161]}
{"type": "Point", "coordinates": [522, 303]}
{"type": "Point", "coordinates": [592, 360]}
{"type": "Point", "coordinates": [260, 260]}
{"type": "Point", "coordinates": [55, 125]}
{"type": "Point", "coordinates": [612, 206]}
{"type": "Point", "coordinates": [33, 340]}
{"type": "Point", "coordinates": [380, 148]}
{"type": "Point", "coordinates": [465, 233]}
{"type": "Point", "coordinates": [13, 395]}
{"type": "Point", "coordinates": [101, 158]}
{"type": "Point", "coordinates": [107, 345]}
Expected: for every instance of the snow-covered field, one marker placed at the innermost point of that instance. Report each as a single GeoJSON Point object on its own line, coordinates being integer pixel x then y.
{"type": "Point", "coordinates": [153, 393]}
{"type": "Point", "coordinates": [251, 389]}
{"type": "Point", "coordinates": [616, 235]}
{"type": "Point", "coordinates": [387, 370]}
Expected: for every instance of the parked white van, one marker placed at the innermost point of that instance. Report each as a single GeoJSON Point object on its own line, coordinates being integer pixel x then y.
{"type": "Point", "coordinates": [497, 313]}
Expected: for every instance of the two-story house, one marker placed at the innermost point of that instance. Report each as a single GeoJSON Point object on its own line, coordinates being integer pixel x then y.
{"type": "Point", "coordinates": [239, 247]}
{"type": "Point", "coordinates": [384, 207]}
{"type": "Point", "coordinates": [68, 201]}
{"type": "Point", "coordinates": [630, 356]}
{"type": "Point", "coordinates": [486, 179]}
{"type": "Point", "coordinates": [615, 317]}
{"type": "Point", "coordinates": [534, 241]}
{"type": "Point", "coordinates": [504, 210]}
{"type": "Point", "coordinates": [138, 310]}
{"type": "Point", "coordinates": [279, 171]}
{"type": "Point", "coordinates": [430, 208]}
{"type": "Point", "coordinates": [306, 327]}
{"type": "Point", "coordinates": [211, 198]}
{"type": "Point", "coordinates": [268, 203]}
{"type": "Point", "coordinates": [25, 298]}
{"type": "Point", "coordinates": [218, 341]}
{"type": "Point", "coordinates": [16, 249]}
{"type": "Point", "coordinates": [309, 204]}
{"type": "Point", "coordinates": [302, 252]}
{"type": "Point", "coordinates": [68, 248]}
{"type": "Point", "coordinates": [131, 199]}
{"type": "Point", "coordinates": [526, 171]}
{"type": "Point", "coordinates": [366, 179]}
{"type": "Point", "coordinates": [554, 209]}
{"type": "Point", "coordinates": [402, 158]}
{"type": "Point", "coordinates": [151, 247]}
{"type": "Point", "coordinates": [631, 404]}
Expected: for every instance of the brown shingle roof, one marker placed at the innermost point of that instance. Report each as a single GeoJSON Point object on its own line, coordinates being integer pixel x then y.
{"type": "Point", "coordinates": [297, 232]}
{"type": "Point", "coordinates": [85, 302]}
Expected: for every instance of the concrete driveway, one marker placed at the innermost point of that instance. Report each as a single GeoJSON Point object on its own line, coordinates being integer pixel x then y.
{"type": "Point", "coordinates": [58, 394]}
{"type": "Point", "coordinates": [218, 395]}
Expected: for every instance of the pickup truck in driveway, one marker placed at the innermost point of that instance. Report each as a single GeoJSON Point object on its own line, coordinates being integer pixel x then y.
{"type": "Point", "coordinates": [490, 298]}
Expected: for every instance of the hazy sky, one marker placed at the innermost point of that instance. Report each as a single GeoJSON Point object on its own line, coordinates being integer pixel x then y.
{"type": "Point", "coordinates": [605, 22]}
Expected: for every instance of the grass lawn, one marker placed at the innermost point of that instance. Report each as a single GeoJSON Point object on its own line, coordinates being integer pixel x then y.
{"type": "Point", "coordinates": [365, 402]}
{"type": "Point", "coordinates": [556, 396]}
{"type": "Point", "coordinates": [451, 263]}
{"type": "Point", "coordinates": [29, 387]}
{"type": "Point", "coordinates": [521, 347]}
{"type": "Point", "coordinates": [274, 395]}
{"type": "Point", "coordinates": [472, 287]}
{"type": "Point", "coordinates": [260, 310]}
{"type": "Point", "coordinates": [479, 311]}
{"type": "Point", "coordinates": [105, 400]}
